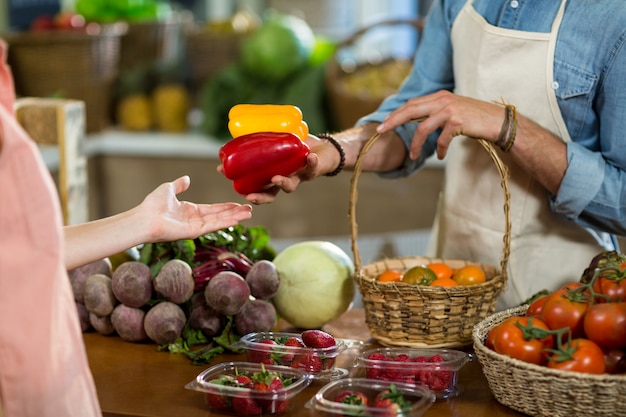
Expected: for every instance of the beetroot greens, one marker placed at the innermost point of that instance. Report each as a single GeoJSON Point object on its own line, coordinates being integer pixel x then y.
{"type": "Point", "coordinates": [234, 250]}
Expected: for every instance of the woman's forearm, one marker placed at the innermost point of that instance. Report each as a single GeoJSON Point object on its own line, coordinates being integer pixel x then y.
{"type": "Point", "coordinates": [89, 242]}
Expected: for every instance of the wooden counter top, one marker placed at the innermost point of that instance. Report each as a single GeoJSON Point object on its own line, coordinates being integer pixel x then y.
{"type": "Point", "coordinates": [137, 380]}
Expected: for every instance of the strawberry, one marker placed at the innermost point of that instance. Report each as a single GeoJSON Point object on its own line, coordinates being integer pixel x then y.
{"type": "Point", "coordinates": [245, 405]}
{"type": "Point", "coordinates": [262, 380]}
{"type": "Point", "coordinates": [294, 344]}
{"type": "Point", "coordinates": [263, 352]}
{"type": "Point", "coordinates": [318, 339]}
{"type": "Point", "coordinates": [294, 341]}
{"type": "Point", "coordinates": [377, 357]}
{"type": "Point", "coordinates": [218, 401]}
{"type": "Point", "coordinates": [390, 401]}
{"type": "Point", "coordinates": [272, 383]}
{"type": "Point", "coordinates": [275, 405]}
{"type": "Point", "coordinates": [307, 361]}
{"type": "Point", "coordinates": [352, 398]}
{"type": "Point", "coordinates": [244, 381]}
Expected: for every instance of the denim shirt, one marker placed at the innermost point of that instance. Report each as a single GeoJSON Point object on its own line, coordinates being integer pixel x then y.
{"type": "Point", "coordinates": [590, 75]}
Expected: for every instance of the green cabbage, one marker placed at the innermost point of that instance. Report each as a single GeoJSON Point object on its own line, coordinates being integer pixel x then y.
{"type": "Point", "coordinates": [279, 48]}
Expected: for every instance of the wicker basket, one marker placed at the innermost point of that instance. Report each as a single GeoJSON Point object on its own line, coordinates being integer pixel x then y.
{"type": "Point", "coordinates": [541, 391]}
{"type": "Point", "coordinates": [73, 65]}
{"type": "Point", "coordinates": [208, 52]}
{"type": "Point", "coordinates": [422, 316]}
{"type": "Point", "coordinates": [149, 43]}
{"type": "Point", "coordinates": [346, 107]}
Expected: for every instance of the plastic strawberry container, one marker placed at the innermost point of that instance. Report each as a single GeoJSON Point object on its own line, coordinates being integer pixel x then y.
{"type": "Point", "coordinates": [317, 362]}
{"type": "Point", "coordinates": [418, 398]}
{"type": "Point", "coordinates": [247, 401]}
{"type": "Point", "coordinates": [436, 369]}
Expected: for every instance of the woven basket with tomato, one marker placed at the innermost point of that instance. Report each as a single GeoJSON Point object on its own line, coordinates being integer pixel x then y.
{"type": "Point", "coordinates": [408, 315]}
{"type": "Point", "coordinates": [565, 353]}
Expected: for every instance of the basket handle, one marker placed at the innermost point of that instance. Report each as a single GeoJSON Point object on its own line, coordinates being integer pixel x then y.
{"type": "Point", "coordinates": [418, 24]}
{"type": "Point", "coordinates": [502, 170]}
{"type": "Point", "coordinates": [333, 65]}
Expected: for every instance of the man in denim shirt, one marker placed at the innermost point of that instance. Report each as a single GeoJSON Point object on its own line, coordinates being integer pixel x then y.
{"type": "Point", "coordinates": [544, 81]}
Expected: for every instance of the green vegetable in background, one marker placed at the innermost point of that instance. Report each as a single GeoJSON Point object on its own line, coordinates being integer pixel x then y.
{"type": "Point", "coordinates": [232, 86]}
{"type": "Point", "coordinates": [130, 10]}
{"type": "Point", "coordinates": [267, 82]}
{"type": "Point", "coordinates": [280, 47]}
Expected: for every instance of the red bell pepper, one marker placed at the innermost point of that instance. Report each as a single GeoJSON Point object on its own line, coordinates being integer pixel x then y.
{"type": "Point", "coordinates": [251, 160]}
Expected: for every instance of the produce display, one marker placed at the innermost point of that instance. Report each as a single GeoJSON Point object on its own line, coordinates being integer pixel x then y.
{"type": "Point", "coordinates": [579, 327]}
{"type": "Point", "coordinates": [247, 389]}
{"type": "Point", "coordinates": [208, 291]}
{"type": "Point", "coordinates": [313, 351]}
{"type": "Point", "coordinates": [435, 369]}
{"type": "Point", "coordinates": [268, 140]}
{"type": "Point", "coordinates": [435, 275]}
{"type": "Point", "coordinates": [128, 10]}
{"type": "Point", "coordinates": [152, 97]}
{"type": "Point", "coordinates": [366, 397]}
{"type": "Point", "coordinates": [62, 21]}
{"type": "Point", "coordinates": [200, 297]}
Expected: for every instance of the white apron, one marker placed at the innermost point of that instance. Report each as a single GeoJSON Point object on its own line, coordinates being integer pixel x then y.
{"type": "Point", "coordinates": [492, 63]}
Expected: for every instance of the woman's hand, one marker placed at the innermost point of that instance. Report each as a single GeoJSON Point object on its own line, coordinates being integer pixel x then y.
{"type": "Point", "coordinates": [454, 114]}
{"type": "Point", "coordinates": [170, 219]}
{"type": "Point", "coordinates": [160, 217]}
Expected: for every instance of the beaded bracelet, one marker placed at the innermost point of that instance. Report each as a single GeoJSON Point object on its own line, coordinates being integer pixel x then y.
{"type": "Point", "coordinates": [342, 154]}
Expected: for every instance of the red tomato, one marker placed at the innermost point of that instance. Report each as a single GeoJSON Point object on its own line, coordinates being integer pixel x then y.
{"type": "Point", "coordinates": [491, 337]}
{"type": "Point", "coordinates": [605, 324]}
{"type": "Point", "coordinates": [510, 340]}
{"type": "Point", "coordinates": [612, 288]}
{"type": "Point", "coordinates": [586, 357]}
{"type": "Point", "coordinates": [536, 307]}
{"type": "Point", "coordinates": [559, 311]}
{"type": "Point", "coordinates": [615, 361]}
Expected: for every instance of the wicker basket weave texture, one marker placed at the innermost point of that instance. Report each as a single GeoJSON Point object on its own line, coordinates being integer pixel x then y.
{"type": "Point", "coordinates": [544, 392]}
{"type": "Point", "coordinates": [407, 315]}
{"type": "Point", "coordinates": [148, 43]}
{"type": "Point", "coordinates": [209, 52]}
{"type": "Point", "coordinates": [72, 65]}
{"type": "Point", "coordinates": [346, 107]}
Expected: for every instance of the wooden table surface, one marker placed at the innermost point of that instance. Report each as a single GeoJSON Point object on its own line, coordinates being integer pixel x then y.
{"type": "Point", "coordinates": [137, 380]}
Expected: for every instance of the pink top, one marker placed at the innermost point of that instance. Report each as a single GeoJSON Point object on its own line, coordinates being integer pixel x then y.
{"type": "Point", "coordinates": [43, 364]}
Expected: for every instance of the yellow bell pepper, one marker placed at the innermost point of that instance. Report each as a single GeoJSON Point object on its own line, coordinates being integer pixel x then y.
{"type": "Point", "coordinates": [245, 119]}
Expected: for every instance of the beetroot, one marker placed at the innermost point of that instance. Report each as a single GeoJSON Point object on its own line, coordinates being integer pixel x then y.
{"type": "Point", "coordinates": [78, 276]}
{"type": "Point", "coordinates": [204, 318]}
{"type": "Point", "coordinates": [132, 283]}
{"type": "Point", "coordinates": [83, 317]}
{"type": "Point", "coordinates": [164, 322]}
{"type": "Point", "coordinates": [263, 280]}
{"type": "Point", "coordinates": [99, 297]}
{"type": "Point", "coordinates": [227, 292]}
{"type": "Point", "coordinates": [256, 316]}
{"type": "Point", "coordinates": [128, 323]}
{"type": "Point", "coordinates": [102, 324]}
{"type": "Point", "coordinates": [175, 281]}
